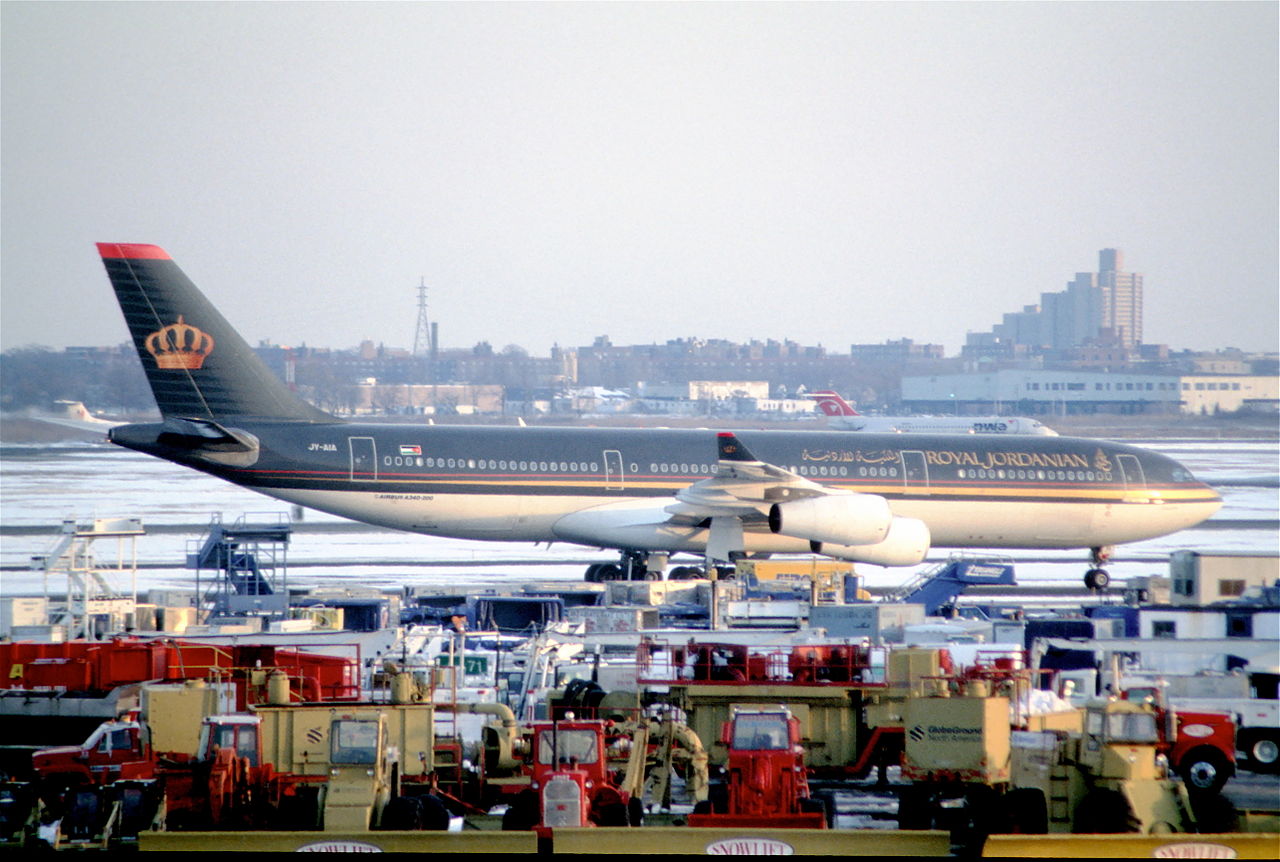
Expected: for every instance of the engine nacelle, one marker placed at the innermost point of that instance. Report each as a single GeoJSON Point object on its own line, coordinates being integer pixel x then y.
{"type": "Point", "coordinates": [906, 545]}
{"type": "Point", "coordinates": [843, 519]}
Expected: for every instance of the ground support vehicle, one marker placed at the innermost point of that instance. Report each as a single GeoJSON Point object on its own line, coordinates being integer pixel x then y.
{"type": "Point", "coordinates": [283, 765]}
{"type": "Point", "coordinates": [570, 782]}
{"type": "Point", "coordinates": [847, 697]}
{"type": "Point", "coordinates": [766, 785]}
{"type": "Point", "coordinates": [1200, 746]}
{"type": "Point", "coordinates": [1090, 770]}
{"type": "Point", "coordinates": [165, 728]}
{"type": "Point", "coordinates": [1248, 698]}
{"type": "Point", "coordinates": [328, 766]}
{"type": "Point", "coordinates": [19, 813]}
{"type": "Point", "coordinates": [110, 786]}
{"type": "Point", "coordinates": [1217, 722]}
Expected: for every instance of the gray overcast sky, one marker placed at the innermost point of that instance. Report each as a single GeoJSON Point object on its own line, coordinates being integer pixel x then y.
{"type": "Point", "coordinates": [834, 173]}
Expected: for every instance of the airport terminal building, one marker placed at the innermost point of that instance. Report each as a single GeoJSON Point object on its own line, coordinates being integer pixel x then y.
{"type": "Point", "coordinates": [1043, 392]}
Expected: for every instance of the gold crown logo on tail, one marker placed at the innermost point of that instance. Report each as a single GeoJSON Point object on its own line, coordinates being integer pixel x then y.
{"type": "Point", "coordinates": [179, 345]}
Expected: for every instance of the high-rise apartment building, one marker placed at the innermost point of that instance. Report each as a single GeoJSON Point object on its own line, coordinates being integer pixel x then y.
{"type": "Point", "coordinates": [1119, 311]}
{"type": "Point", "coordinates": [1097, 308]}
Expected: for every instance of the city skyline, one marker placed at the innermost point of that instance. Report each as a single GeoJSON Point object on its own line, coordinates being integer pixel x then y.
{"type": "Point", "coordinates": [841, 174]}
{"type": "Point", "coordinates": [1102, 309]}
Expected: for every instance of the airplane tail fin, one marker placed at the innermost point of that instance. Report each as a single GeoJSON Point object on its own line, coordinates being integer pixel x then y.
{"type": "Point", "coordinates": [832, 404]}
{"type": "Point", "coordinates": [197, 364]}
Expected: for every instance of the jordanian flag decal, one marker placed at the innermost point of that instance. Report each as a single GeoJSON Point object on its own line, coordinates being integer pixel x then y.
{"type": "Point", "coordinates": [410, 450]}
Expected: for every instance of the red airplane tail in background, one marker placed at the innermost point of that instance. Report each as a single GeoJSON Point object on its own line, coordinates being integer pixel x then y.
{"type": "Point", "coordinates": [832, 404]}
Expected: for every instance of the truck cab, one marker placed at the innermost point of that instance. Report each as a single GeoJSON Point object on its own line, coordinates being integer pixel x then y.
{"type": "Point", "coordinates": [766, 782]}
{"type": "Point", "coordinates": [1200, 746]}
{"type": "Point", "coordinates": [113, 751]}
{"type": "Point", "coordinates": [572, 779]}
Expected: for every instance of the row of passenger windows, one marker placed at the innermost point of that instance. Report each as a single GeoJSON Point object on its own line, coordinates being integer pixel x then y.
{"type": "Point", "coordinates": [1038, 475]}
{"type": "Point", "coordinates": [707, 469]}
{"type": "Point", "coordinates": [491, 464]}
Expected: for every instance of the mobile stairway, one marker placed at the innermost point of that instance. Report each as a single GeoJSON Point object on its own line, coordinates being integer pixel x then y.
{"type": "Point", "coordinates": [248, 566]}
{"type": "Point", "coordinates": [938, 585]}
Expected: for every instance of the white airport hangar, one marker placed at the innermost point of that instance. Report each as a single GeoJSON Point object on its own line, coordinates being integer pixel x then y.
{"type": "Point", "coordinates": [1044, 392]}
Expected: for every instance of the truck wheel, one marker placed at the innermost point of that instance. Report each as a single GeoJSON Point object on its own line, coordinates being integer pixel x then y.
{"type": "Point", "coordinates": [611, 814]}
{"type": "Point", "coordinates": [635, 811]}
{"type": "Point", "coordinates": [402, 814]}
{"type": "Point", "coordinates": [1262, 753]}
{"type": "Point", "coordinates": [1215, 814]}
{"type": "Point", "coordinates": [1027, 811]}
{"type": "Point", "coordinates": [1205, 770]}
{"type": "Point", "coordinates": [1104, 811]}
{"type": "Point", "coordinates": [522, 813]}
{"type": "Point", "coordinates": [828, 798]}
{"type": "Point", "coordinates": [915, 808]}
{"type": "Point", "coordinates": [435, 817]}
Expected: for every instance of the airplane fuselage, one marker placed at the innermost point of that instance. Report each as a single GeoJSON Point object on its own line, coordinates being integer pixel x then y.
{"type": "Point", "coordinates": [535, 483]}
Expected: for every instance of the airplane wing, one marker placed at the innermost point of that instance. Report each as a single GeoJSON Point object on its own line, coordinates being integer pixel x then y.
{"type": "Point", "coordinates": [744, 495]}
{"type": "Point", "coordinates": [742, 486]}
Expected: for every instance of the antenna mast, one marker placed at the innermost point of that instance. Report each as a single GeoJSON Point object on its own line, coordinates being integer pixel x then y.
{"type": "Point", "coordinates": [422, 336]}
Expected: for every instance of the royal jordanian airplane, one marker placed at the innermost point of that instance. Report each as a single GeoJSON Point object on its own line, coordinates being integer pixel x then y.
{"type": "Point", "coordinates": [881, 499]}
{"type": "Point", "coordinates": [842, 416]}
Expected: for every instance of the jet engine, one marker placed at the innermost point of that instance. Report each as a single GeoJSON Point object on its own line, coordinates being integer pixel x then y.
{"type": "Point", "coordinates": [906, 545]}
{"type": "Point", "coordinates": [844, 519]}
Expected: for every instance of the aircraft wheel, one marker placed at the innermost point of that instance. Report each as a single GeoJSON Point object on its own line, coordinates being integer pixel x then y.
{"type": "Point", "coordinates": [1097, 579]}
{"type": "Point", "coordinates": [593, 573]}
{"type": "Point", "coordinates": [609, 572]}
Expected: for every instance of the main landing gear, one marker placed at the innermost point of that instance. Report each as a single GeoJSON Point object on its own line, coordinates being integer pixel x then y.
{"type": "Point", "coordinates": [1097, 578]}
{"type": "Point", "coordinates": [649, 566]}
{"type": "Point", "coordinates": [631, 566]}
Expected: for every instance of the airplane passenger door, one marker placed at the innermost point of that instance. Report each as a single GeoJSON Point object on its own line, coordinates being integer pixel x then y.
{"type": "Point", "coordinates": [612, 470]}
{"type": "Point", "coordinates": [1131, 472]}
{"type": "Point", "coordinates": [915, 473]}
{"type": "Point", "coordinates": [364, 458]}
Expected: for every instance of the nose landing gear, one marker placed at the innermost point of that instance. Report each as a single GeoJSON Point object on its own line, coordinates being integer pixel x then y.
{"type": "Point", "coordinates": [1097, 578]}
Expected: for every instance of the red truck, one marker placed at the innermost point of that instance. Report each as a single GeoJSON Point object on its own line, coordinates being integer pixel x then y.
{"type": "Point", "coordinates": [571, 783]}
{"type": "Point", "coordinates": [766, 782]}
{"type": "Point", "coordinates": [114, 751]}
{"type": "Point", "coordinates": [1200, 746]}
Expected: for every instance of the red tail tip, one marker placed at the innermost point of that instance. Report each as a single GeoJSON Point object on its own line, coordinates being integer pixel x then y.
{"type": "Point", "coordinates": [131, 251]}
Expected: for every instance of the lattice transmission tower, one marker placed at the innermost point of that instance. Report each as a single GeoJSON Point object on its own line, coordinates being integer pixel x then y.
{"type": "Point", "coordinates": [423, 336]}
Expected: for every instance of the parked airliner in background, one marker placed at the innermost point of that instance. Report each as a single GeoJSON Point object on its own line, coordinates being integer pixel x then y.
{"type": "Point", "coordinates": [882, 499]}
{"type": "Point", "coordinates": [73, 414]}
{"type": "Point", "coordinates": [844, 417]}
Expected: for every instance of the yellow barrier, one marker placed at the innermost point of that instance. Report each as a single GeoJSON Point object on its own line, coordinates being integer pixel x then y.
{"type": "Point", "coordinates": [337, 842]}
{"type": "Point", "coordinates": [757, 842]}
{"type": "Point", "coordinates": [752, 842]}
{"type": "Point", "coordinates": [1175, 846]}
